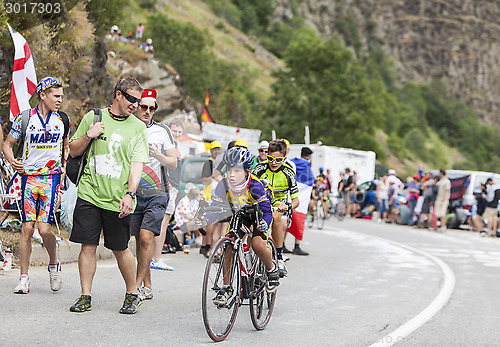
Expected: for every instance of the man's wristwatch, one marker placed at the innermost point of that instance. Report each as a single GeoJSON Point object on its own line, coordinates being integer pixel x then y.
{"type": "Point", "coordinates": [132, 194]}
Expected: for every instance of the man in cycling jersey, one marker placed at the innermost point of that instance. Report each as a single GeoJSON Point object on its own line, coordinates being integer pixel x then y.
{"type": "Point", "coordinates": [241, 188]}
{"type": "Point", "coordinates": [40, 168]}
{"type": "Point", "coordinates": [281, 177]}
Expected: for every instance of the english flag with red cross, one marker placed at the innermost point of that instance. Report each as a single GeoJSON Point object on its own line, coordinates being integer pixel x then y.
{"type": "Point", "coordinates": [23, 76]}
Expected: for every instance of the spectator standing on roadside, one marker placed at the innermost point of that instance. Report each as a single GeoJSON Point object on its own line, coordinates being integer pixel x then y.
{"type": "Point", "coordinates": [443, 198]}
{"type": "Point", "coordinates": [428, 195]}
{"type": "Point", "coordinates": [305, 181]}
{"type": "Point", "coordinates": [491, 211]}
{"type": "Point", "coordinates": [383, 198]}
{"type": "Point", "coordinates": [347, 187]}
{"type": "Point", "coordinates": [152, 193]}
{"type": "Point", "coordinates": [176, 127]}
{"type": "Point", "coordinates": [414, 194]}
{"type": "Point", "coordinates": [41, 165]}
{"type": "Point", "coordinates": [139, 30]}
{"type": "Point", "coordinates": [208, 189]}
{"type": "Point", "coordinates": [263, 146]}
{"type": "Point", "coordinates": [107, 189]}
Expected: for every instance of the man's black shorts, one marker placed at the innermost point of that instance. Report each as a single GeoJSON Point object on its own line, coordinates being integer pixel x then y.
{"type": "Point", "coordinates": [148, 214]}
{"type": "Point", "coordinates": [89, 220]}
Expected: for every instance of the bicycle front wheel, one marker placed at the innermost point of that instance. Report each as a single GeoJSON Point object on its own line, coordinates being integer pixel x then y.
{"type": "Point", "coordinates": [262, 302]}
{"type": "Point", "coordinates": [320, 215]}
{"type": "Point", "coordinates": [341, 211]}
{"type": "Point", "coordinates": [219, 319]}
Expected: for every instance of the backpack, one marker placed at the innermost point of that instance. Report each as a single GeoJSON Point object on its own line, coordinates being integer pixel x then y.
{"type": "Point", "coordinates": [75, 165]}
{"type": "Point", "coordinates": [25, 118]}
{"type": "Point", "coordinates": [171, 239]}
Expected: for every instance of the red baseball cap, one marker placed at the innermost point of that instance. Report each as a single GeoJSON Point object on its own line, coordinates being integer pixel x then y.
{"type": "Point", "coordinates": [149, 94]}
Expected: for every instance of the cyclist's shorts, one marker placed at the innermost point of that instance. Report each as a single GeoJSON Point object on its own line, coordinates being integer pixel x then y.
{"type": "Point", "coordinates": [264, 233]}
{"type": "Point", "coordinates": [39, 197]}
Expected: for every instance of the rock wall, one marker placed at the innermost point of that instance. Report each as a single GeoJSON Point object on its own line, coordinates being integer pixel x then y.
{"type": "Point", "coordinates": [457, 41]}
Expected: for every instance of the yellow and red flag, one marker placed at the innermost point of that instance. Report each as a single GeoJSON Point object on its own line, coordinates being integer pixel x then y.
{"type": "Point", "coordinates": [205, 116]}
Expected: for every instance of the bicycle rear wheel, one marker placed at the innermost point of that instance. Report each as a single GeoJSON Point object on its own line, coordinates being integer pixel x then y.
{"type": "Point", "coordinates": [262, 302]}
{"type": "Point", "coordinates": [220, 320]}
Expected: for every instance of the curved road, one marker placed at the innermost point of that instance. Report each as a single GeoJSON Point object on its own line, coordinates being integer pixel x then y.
{"type": "Point", "coordinates": [362, 282]}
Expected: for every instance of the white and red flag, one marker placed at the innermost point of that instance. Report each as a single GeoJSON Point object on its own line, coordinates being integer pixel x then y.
{"type": "Point", "coordinates": [23, 76]}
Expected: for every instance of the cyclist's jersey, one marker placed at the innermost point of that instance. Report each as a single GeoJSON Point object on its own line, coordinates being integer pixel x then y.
{"type": "Point", "coordinates": [41, 153]}
{"type": "Point", "coordinates": [154, 176]}
{"type": "Point", "coordinates": [256, 193]}
{"type": "Point", "coordinates": [283, 181]}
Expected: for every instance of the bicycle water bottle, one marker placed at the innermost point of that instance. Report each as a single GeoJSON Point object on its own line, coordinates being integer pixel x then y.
{"type": "Point", "coordinates": [7, 263]}
{"type": "Point", "coordinates": [248, 256]}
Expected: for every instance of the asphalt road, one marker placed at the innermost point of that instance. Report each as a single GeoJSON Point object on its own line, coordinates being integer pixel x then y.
{"type": "Point", "coordinates": [362, 281]}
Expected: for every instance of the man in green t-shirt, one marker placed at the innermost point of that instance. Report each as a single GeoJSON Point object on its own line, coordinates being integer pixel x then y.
{"type": "Point", "coordinates": [106, 191]}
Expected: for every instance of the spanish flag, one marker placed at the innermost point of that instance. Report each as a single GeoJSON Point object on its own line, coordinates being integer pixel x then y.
{"type": "Point", "coordinates": [205, 116]}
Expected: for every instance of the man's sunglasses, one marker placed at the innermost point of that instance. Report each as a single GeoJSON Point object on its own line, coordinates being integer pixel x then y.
{"type": "Point", "coordinates": [130, 98]}
{"type": "Point", "coordinates": [262, 151]}
{"type": "Point", "coordinates": [145, 107]}
{"type": "Point", "coordinates": [278, 160]}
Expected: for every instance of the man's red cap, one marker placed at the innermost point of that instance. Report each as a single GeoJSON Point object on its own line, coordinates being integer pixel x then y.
{"type": "Point", "coordinates": [149, 94]}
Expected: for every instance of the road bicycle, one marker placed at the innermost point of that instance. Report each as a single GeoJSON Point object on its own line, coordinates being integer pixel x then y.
{"type": "Point", "coordinates": [340, 208]}
{"type": "Point", "coordinates": [242, 273]}
{"type": "Point", "coordinates": [317, 214]}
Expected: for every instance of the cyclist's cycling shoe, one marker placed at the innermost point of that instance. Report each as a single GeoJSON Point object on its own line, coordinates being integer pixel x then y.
{"type": "Point", "coordinates": [273, 280]}
{"type": "Point", "coordinates": [282, 270]}
{"type": "Point", "coordinates": [223, 296]}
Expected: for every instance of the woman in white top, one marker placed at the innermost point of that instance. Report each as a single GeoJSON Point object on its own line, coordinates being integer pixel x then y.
{"type": "Point", "coordinates": [383, 197]}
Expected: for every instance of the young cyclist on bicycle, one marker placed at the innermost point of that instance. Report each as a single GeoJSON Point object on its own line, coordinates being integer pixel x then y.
{"type": "Point", "coordinates": [240, 188]}
{"type": "Point", "coordinates": [319, 192]}
{"type": "Point", "coordinates": [282, 179]}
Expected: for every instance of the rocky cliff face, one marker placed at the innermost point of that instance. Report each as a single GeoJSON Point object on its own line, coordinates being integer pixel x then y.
{"type": "Point", "coordinates": [457, 41]}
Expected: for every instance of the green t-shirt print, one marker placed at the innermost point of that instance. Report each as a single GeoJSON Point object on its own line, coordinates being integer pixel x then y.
{"type": "Point", "coordinates": [105, 178]}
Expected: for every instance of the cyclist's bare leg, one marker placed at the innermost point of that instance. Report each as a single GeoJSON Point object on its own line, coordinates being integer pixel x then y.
{"type": "Point", "coordinates": [278, 228]}
{"type": "Point", "coordinates": [226, 266]}
{"type": "Point", "coordinates": [325, 207]}
{"type": "Point", "coordinates": [259, 246]}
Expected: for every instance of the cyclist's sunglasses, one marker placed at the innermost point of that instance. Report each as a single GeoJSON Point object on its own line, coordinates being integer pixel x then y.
{"type": "Point", "coordinates": [130, 98]}
{"type": "Point", "coordinates": [278, 160]}
{"type": "Point", "coordinates": [145, 107]}
{"type": "Point", "coordinates": [47, 135]}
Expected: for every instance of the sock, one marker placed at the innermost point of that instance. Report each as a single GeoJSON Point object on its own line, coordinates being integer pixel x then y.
{"type": "Point", "coordinates": [24, 275]}
{"type": "Point", "coordinates": [297, 246]}
{"type": "Point", "coordinates": [279, 251]}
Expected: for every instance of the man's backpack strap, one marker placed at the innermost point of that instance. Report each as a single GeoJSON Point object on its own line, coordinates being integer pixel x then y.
{"type": "Point", "coordinates": [164, 172]}
{"type": "Point", "coordinates": [25, 118]}
{"type": "Point", "coordinates": [97, 119]}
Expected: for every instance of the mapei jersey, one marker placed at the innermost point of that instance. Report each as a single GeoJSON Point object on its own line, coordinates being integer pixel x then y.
{"type": "Point", "coordinates": [43, 143]}
{"type": "Point", "coordinates": [282, 181]}
{"type": "Point", "coordinates": [154, 176]}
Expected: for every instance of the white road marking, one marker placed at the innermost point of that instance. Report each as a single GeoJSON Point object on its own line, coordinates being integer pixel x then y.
{"type": "Point", "coordinates": [426, 314]}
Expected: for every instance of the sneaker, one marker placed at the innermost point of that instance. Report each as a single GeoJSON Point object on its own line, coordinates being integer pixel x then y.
{"type": "Point", "coordinates": [24, 285]}
{"type": "Point", "coordinates": [273, 279]}
{"type": "Point", "coordinates": [160, 265]}
{"type": "Point", "coordinates": [282, 270]}
{"type": "Point", "coordinates": [130, 304]}
{"type": "Point", "coordinates": [286, 250]}
{"type": "Point", "coordinates": [145, 293]}
{"type": "Point", "coordinates": [223, 295]}
{"type": "Point", "coordinates": [285, 258]}
{"type": "Point", "coordinates": [82, 304]}
{"type": "Point", "coordinates": [299, 251]}
{"type": "Point", "coordinates": [55, 277]}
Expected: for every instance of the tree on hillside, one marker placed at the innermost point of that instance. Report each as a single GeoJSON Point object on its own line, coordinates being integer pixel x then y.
{"type": "Point", "coordinates": [324, 87]}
